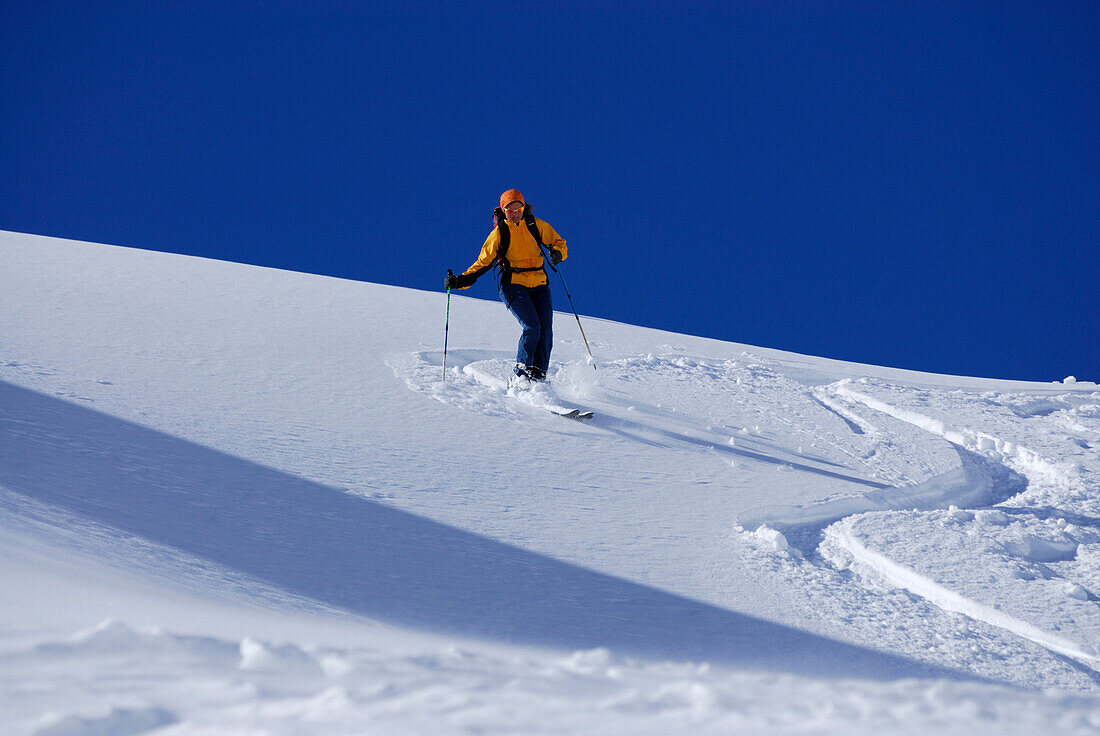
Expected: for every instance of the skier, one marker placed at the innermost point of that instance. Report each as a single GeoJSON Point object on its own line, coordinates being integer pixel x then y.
{"type": "Point", "coordinates": [515, 246]}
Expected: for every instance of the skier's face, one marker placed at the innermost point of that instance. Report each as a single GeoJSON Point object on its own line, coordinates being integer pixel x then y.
{"type": "Point", "coordinates": [514, 211]}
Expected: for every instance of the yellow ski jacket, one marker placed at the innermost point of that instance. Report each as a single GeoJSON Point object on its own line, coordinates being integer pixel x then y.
{"type": "Point", "coordinates": [523, 252]}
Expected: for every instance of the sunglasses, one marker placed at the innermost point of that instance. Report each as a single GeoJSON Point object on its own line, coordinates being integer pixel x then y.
{"type": "Point", "coordinates": [514, 210]}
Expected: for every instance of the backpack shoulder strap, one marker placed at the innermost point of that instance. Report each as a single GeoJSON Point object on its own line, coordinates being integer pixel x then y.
{"type": "Point", "coordinates": [502, 247]}
{"type": "Point", "coordinates": [529, 220]}
{"type": "Point", "coordinates": [505, 235]}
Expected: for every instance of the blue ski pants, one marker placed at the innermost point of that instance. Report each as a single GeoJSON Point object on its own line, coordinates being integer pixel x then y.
{"type": "Point", "coordinates": [533, 308]}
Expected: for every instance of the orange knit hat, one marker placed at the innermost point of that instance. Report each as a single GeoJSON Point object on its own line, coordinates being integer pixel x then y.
{"type": "Point", "coordinates": [512, 195]}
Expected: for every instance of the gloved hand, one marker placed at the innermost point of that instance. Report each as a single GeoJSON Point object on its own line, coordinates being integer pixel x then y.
{"type": "Point", "coordinates": [457, 282]}
{"type": "Point", "coordinates": [555, 257]}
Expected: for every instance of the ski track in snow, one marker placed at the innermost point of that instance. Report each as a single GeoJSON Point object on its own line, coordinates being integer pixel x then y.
{"type": "Point", "coordinates": [1040, 558]}
{"type": "Point", "coordinates": [945, 477]}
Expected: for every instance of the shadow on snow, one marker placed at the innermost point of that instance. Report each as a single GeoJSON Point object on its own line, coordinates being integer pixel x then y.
{"type": "Point", "coordinates": [375, 560]}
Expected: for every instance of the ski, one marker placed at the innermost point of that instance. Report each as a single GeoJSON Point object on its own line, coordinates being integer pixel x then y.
{"type": "Point", "coordinates": [496, 375]}
{"type": "Point", "coordinates": [561, 411]}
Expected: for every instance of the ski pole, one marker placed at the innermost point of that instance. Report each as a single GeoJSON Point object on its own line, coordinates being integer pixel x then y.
{"type": "Point", "coordinates": [447, 329]}
{"type": "Point", "coordinates": [546, 255]}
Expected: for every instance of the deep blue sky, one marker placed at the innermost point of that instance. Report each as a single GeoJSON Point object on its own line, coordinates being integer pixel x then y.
{"type": "Point", "coordinates": [900, 183]}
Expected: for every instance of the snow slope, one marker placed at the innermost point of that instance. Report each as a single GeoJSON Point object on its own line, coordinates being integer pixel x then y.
{"type": "Point", "coordinates": [239, 500]}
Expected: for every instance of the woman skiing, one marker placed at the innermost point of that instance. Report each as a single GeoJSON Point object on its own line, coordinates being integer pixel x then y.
{"type": "Point", "coordinates": [519, 245]}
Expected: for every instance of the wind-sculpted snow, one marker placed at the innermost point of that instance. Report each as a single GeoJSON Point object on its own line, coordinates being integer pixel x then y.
{"type": "Point", "coordinates": [294, 520]}
{"type": "Point", "coordinates": [250, 686]}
